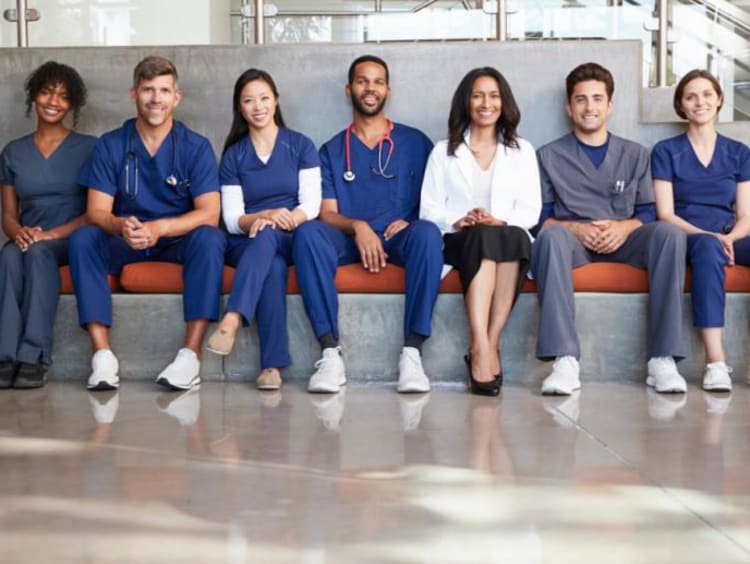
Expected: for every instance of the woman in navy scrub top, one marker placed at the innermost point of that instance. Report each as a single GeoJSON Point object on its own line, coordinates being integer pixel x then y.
{"type": "Point", "coordinates": [702, 185]}
{"type": "Point", "coordinates": [270, 184]}
{"type": "Point", "coordinates": [42, 204]}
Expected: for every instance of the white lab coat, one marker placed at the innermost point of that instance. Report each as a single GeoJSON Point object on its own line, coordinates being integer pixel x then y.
{"type": "Point", "coordinates": [516, 196]}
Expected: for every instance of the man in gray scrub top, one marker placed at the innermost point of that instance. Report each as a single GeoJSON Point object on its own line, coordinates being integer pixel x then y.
{"type": "Point", "coordinates": [599, 207]}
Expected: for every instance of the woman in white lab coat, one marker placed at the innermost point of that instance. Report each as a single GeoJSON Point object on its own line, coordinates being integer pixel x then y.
{"type": "Point", "coordinates": [481, 188]}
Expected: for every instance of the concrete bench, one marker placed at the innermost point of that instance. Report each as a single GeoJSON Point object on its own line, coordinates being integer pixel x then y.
{"type": "Point", "coordinates": [610, 304]}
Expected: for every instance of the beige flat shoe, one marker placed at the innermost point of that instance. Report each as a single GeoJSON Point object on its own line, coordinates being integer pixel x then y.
{"type": "Point", "coordinates": [221, 342]}
{"type": "Point", "coordinates": [268, 379]}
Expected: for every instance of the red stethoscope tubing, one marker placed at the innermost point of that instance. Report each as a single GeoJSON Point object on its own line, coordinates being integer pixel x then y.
{"type": "Point", "coordinates": [348, 172]}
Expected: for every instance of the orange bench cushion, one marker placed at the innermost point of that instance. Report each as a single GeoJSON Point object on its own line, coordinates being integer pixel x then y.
{"type": "Point", "coordinates": [166, 278]}
{"type": "Point", "coordinates": [66, 281]}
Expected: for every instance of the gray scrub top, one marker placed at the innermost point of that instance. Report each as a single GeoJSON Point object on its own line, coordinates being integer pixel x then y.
{"type": "Point", "coordinates": [47, 189]}
{"type": "Point", "coordinates": [582, 192]}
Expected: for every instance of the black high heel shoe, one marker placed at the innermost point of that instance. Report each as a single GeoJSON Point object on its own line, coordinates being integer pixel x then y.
{"type": "Point", "coordinates": [491, 388]}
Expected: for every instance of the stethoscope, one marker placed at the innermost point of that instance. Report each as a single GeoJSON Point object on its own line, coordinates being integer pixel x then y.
{"type": "Point", "coordinates": [170, 180]}
{"type": "Point", "coordinates": [349, 175]}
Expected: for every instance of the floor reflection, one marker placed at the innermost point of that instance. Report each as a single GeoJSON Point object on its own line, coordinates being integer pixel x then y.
{"type": "Point", "coordinates": [225, 473]}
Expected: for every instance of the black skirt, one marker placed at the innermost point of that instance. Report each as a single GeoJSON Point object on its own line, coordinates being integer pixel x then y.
{"type": "Point", "coordinates": [465, 250]}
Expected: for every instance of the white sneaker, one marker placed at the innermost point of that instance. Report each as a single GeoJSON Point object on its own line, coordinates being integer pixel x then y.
{"type": "Point", "coordinates": [330, 374]}
{"type": "Point", "coordinates": [411, 376]}
{"type": "Point", "coordinates": [564, 379]}
{"type": "Point", "coordinates": [411, 410]}
{"type": "Point", "coordinates": [329, 409]}
{"type": "Point", "coordinates": [184, 407]}
{"type": "Point", "coordinates": [664, 377]}
{"type": "Point", "coordinates": [183, 372]}
{"type": "Point", "coordinates": [104, 367]}
{"type": "Point", "coordinates": [104, 408]}
{"type": "Point", "coordinates": [716, 377]}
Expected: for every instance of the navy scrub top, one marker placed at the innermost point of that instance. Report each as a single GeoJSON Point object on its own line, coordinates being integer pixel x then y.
{"type": "Point", "coordinates": [187, 155]}
{"type": "Point", "coordinates": [703, 195]}
{"type": "Point", "coordinates": [371, 197]}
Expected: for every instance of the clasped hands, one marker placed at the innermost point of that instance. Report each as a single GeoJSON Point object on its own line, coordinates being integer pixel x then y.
{"type": "Point", "coordinates": [602, 236]}
{"type": "Point", "coordinates": [477, 216]}
{"type": "Point", "coordinates": [140, 235]}
{"type": "Point", "coordinates": [370, 246]}
{"type": "Point", "coordinates": [279, 217]}
{"type": "Point", "coordinates": [27, 236]}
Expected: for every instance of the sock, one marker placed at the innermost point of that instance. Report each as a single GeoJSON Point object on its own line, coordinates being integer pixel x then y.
{"type": "Point", "coordinates": [328, 341]}
{"type": "Point", "coordinates": [415, 340]}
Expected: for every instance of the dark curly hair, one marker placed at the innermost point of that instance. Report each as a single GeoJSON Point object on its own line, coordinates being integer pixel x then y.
{"type": "Point", "coordinates": [53, 73]}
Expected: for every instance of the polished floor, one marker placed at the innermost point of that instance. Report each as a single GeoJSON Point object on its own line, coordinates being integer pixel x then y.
{"type": "Point", "coordinates": [227, 474]}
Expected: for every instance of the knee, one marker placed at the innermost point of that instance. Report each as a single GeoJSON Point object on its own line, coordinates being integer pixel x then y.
{"type": "Point", "coordinates": [666, 234]}
{"type": "Point", "coordinates": [550, 239]}
{"type": "Point", "coordinates": [706, 250]}
{"type": "Point", "coordinates": [426, 233]}
{"type": "Point", "coordinates": [11, 258]}
{"type": "Point", "coordinates": [208, 239]}
{"type": "Point", "coordinates": [39, 253]}
{"type": "Point", "coordinates": [84, 237]}
{"type": "Point", "coordinates": [306, 237]}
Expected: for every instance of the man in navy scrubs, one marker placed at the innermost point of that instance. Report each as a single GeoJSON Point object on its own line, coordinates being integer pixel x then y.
{"type": "Point", "coordinates": [372, 177]}
{"type": "Point", "coordinates": [153, 196]}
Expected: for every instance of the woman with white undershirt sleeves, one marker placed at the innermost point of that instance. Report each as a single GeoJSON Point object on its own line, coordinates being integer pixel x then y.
{"type": "Point", "coordinates": [270, 184]}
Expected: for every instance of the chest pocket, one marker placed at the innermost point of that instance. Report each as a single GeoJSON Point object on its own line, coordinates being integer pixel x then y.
{"type": "Point", "coordinates": [622, 199]}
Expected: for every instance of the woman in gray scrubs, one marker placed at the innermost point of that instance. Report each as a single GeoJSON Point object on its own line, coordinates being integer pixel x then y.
{"type": "Point", "coordinates": [42, 204]}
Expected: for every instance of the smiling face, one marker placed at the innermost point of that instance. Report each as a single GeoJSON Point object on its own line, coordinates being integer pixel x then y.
{"type": "Point", "coordinates": [589, 107]}
{"type": "Point", "coordinates": [369, 89]}
{"type": "Point", "coordinates": [258, 104]}
{"type": "Point", "coordinates": [700, 102]}
{"type": "Point", "coordinates": [52, 103]}
{"type": "Point", "coordinates": [485, 103]}
{"type": "Point", "coordinates": [155, 100]}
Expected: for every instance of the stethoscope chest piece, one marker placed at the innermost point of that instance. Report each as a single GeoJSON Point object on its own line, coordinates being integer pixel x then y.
{"type": "Point", "coordinates": [349, 175]}
{"type": "Point", "coordinates": [171, 181]}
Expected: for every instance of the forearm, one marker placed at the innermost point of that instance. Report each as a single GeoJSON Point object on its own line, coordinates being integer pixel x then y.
{"type": "Point", "coordinates": [681, 224]}
{"type": "Point", "coordinates": [11, 226]}
{"type": "Point", "coordinates": [341, 222]}
{"type": "Point", "coordinates": [106, 221]}
{"type": "Point", "coordinates": [183, 224]}
{"type": "Point", "coordinates": [741, 229]}
{"type": "Point", "coordinates": [299, 216]}
{"type": "Point", "coordinates": [63, 231]}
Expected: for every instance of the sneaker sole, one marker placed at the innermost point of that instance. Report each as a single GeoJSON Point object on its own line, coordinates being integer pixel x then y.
{"type": "Point", "coordinates": [673, 390]}
{"type": "Point", "coordinates": [718, 387]}
{"type": "Point", "coordinates": [103, 386]}
{"type": "Point", "coordinates": [413, 389]}
{"type": "Point", "coordinates": [170, 386]}
{"type": "Point", "coordinates": [217, 351]}
{"type": "Point", "coordinates": [325, 389]}
{"type": "Point", "coordinates": [23, 384]}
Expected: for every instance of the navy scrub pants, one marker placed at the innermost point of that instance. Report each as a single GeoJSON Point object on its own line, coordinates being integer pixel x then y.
{"type": "Point", "coordinates": [319, 248]}
{"type": "Point", "coordinates": [29, 292]}
{"type": "Point", "coordinates": [707, 258]}
{"type": "Point", "coordinates": [94, 253]}
{"type": "Point", "coordinates": [259, 289]}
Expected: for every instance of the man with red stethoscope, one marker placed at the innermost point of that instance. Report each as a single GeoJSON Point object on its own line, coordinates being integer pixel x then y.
{"type": "Point", "coordinates": [372, 177]}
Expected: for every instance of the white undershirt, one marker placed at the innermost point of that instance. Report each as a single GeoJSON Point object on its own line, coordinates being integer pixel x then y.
{"type": "Point", "coordinates": [481, 186]}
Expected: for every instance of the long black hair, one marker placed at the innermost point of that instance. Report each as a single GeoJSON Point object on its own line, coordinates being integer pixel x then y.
{"type": "Point", "coordinates": [239, 128]}
{"type": "Point", "coordinates": [53, 73]}
{"type": "Point", "coordinates": [460, 115]}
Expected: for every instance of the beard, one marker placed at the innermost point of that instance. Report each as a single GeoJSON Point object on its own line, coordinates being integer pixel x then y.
{"type": "Point", "coordinates": [360, 108]}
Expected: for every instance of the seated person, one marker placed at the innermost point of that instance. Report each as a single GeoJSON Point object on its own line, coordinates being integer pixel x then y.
{"type": "Point", "coordinates": [153, 196]}
{"type": "Point", "coordinates": [599, 207]}
{"type": "Point", "coordinates": [702, 186]}
{"type": "Point", "coordinates": [42, 205]}
{"type": "Point", "coordinates": [481, 188]}
{"type": "Point", "coordinates": [372, 174]}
